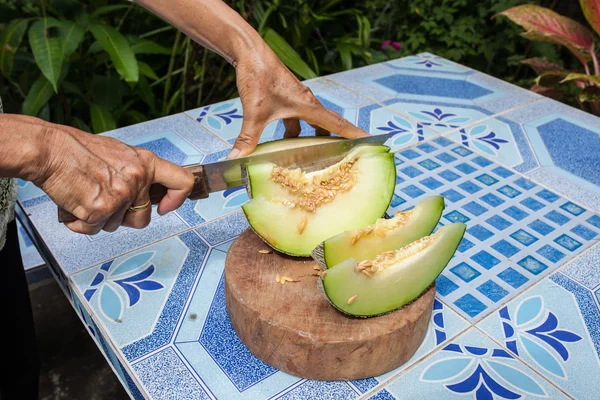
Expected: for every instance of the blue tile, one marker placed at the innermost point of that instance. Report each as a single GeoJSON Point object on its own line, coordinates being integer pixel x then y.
{"type": "Point", "coordinates": [470, 305]}
{"type": "Point", "coordinates": [505, 248]}
{"type": "Point", "coordinates": [481, 161]}
{"type": "Point", "coordinates": [492, 199]}
{"type": "Point", "coordinates": [516, 213]}
{"type": "Point", "coordinates": [524, 237]}
{"type": "Point", "coordinates": [397, 159]}
{"type": "Point", "coordinates": [445, 286]}
{"type": "Point", "coordinates": [525, 183]}
{"type": "Point", "coordinates": [427, 147]}
{"type": "Point", "coordinates": [485, 259]}
{"type": "Point", "coordinates": [584, 232]}
{"type": "Point", "coordinates": [433, 86]}
{"type": "Point", "coordinates": [550, 253]}
{"type": "Point", "coordinates": [465, 168]}
{"type": "Point", "coordinates": [465, 245]}
{"type": "Point", "coordinates": [397, 200]}
{"type": "Point", "coordinates": [557, 218]}
{"type": "Point", "coordinates": [568, 242]}
{"type": "Point", "coordinates": [449, 175]}
{"type": "Point", "coordinates": [399, 180]}
{"type": "Point", "coordinates": [509, 191]}
{"type": "Point", "coordinates": [410, 154]}
{"type": "Point", "coordinates": [411, 172]}
{"type": "Point", "coordinates": [502, 172]}
{"type": "Point", "coordinates": [541, 227]}
{"type": "Point", "coordinates": [547, 195]}
{"type": "Point", "coordinates": [465, 272]}
{"type": "Point", "coordinates": [445, 157]}
{"type": "Point", "coordinates": [429, 164]}
{"type": "Point", "coordinates": [321, 390]}
{"type": "Point", "coordinates": [413, 191]}
{"type": "Point", "coordinates": [431, 183]}
{"type": "Point", "coordinates": [532, 204]}
{"type": "Point", "coordinates": [594, 220]}
{"type": "Point", "coordinates": [455, 216]}
{"type": "Point", "coordinates": [442, 141]}
{"type": "Point", "coordinates": [475, 208]}
{"type": "Point", "coordinates": [492, 291]}
{"type": "Point", "coordinates": [498, 222]}
{"type": "Point", "coordinates": [462, 151]}
{"type": "Point", "coordinates": [469, 187]}
{"type": "Point", "coordinates": [512, 277]}
{"type": "Point", "coordinates": [479, 232]}
{"type": "Point", "coordinates": [533, 265]}
{"type": "Point", "coordinates": [452, 195]}
{"type": "Point", "coordinates": [486, 179]}
{"type": "Point", "coordinates": [572, 208]}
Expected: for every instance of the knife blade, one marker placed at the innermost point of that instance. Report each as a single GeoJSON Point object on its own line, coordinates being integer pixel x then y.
{"type": "Point", "coordinates": [226, 174]}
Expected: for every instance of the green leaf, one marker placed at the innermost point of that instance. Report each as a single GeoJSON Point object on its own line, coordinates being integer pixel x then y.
{"type": "Point", "coordinates": [71, 35]}
{"type": "Point", "coordinates": [148, 47]}
{"type": "Point", "coordinates": [550, 77]}
{"type": "Point", "coordinates": [47, 51]}
{"type": "Point", "coordinates": [82, 126]}
{"type": "Point", "coordinates": [10, 40]}
{"type": "Point", "coordinates": [287, 54]}
{"type": "Point", "coordinates": [41, 91]}
{"type": "Point", "coordinates": [95, 47]}
{"type": "Point", "coordinates": [590, 93]}
{"type": "Point", "coordinates": [147, 71]}
{"type": "Point", "coordinates": [135, 117]}
{"type": "Point", "coordinates": [107, 9]}
{"type": "Point", "coordinates": [106, 91]}
{"type": "Point", "coordinates": [345, 55]}
{"type": "Point", "coordinates": [102, 119]}
{"type": "Point", "coordinates": [265, 18]}
{"type": "Point", "coordinates": [591, 10]}
{"type": "Point", "coordinates": [146, 94]}
{"type": "Point", "coordinates": [591, 79]}
{"type": "Point", "coordinates": [545, 25]}
{"type": "Point", "coordinates": [72, 88]}
{"type": "Point", "coordinates": [119, 50]}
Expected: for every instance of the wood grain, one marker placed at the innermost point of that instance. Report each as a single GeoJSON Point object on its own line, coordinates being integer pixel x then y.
{"type": "Point", "coordinates": [293, 327]}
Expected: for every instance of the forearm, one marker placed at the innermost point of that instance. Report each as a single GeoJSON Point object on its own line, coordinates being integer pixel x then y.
{"type": "Point", "coordinates": [23, 147]}
{"type": "Point", "coordinates": [211, 23]}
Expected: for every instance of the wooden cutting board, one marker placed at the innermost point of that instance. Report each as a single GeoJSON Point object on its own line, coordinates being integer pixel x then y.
{"type": "Point", "coordinates": [293, 327]}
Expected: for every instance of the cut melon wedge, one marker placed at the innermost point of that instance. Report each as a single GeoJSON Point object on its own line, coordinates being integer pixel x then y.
{"type": "Point", "coordinates": [294, 211]}
{"type": "Point", "coordinates": [386, 234]}
{"type": "Point", "coordinates": [392, 279]}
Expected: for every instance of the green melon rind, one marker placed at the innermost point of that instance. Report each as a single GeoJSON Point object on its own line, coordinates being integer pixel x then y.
{"type": "Point", "coordinates": [426, 216]}
{"type": "Point", "coordinates": [455, 232]}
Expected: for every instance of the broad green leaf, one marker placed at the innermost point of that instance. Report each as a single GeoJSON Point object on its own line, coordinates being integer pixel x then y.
{"type": "Point", "coordinates": [107, 91]}
{"type": "Point", "coordinates": [41, 91]}
{"type": "Point", "coordinates": [591, 79]}
{"type": "Point", "coordinates": [149, 47]}
{"type": "Point", "coordinates": [119, 50]}
{"type": "Point", "coordinates": [287, 54]}
{"type": "Point", "coordinates": [591, 10]}
{"type": "Point", "coordinates": [552, 93]}
{"type": "Point", "coordinates": [265, 18]}
{"type": "Point", "coordinates": [541, 65]}
{"type": "Point", "coordinates": [147, 70]}
{"type": "Point", "coordinates": [71, 35]}
{"type": "Point", "coordinates": [545, 25]}
{"type": "Point", "coordinates": [71, 88]}
{"type": "Point", "coordinates": [10, 40]}
{"type": "Point", "coordinates": [550, 77]}
{"type": "Point", "coordinates": [590, 93]}
{"type": "Point", "coordinates": [135, 117]}
{"type": "Point", "coordinates": [146, 94]}
{"type": "Point", "coordinates": [107, 9]}
{"type": "Point", "coordinates": [95, 47]}
{"type": "Point", "coordinates": [47, 51]}
{"type": "Point", "coordinates": [345, 55]}
{"type": "Point", "coordinates": [82, 126]}
{"type": "Point", "coordinates": [102, 119]}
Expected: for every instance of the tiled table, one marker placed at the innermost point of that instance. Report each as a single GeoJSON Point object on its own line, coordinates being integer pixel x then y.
{"type": "Point", "coordinates": [516, 314]}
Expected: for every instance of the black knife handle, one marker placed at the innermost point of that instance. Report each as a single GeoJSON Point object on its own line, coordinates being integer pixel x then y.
{"type": "Point", "coordinates": [158, 191]}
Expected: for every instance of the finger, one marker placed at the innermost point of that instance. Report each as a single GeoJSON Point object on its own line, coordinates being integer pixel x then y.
{"type": "Point", "coordinates": [178, 181]}
{"type": "Point", "coordinates": [331, 121]}
{"type": "Point", "coordinates": [292, 127]}
{"type": "Point", "coordinates": [320, 131]}
{"type": "Point", "coordinates": [247, 139]}
{"type": "Point", "coordinates": [80, 226]}
{"type": "Point", "coordinates": [141, 218]}
{"type": "Point", "coordinates": [116, 220]}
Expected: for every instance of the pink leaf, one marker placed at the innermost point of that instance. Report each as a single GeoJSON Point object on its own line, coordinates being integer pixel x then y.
{"type": "Point", "coordinates": [552, 93]}
{"type": "Point", "coordinates": [544, 25]}
{"type": "Point", "coordinates": [541, 65]}
{"type": "Point", "coordinates": [591, 10]}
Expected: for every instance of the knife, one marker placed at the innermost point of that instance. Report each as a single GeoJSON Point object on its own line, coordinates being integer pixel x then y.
{"type": "Point", "coordinates": [221, 175]}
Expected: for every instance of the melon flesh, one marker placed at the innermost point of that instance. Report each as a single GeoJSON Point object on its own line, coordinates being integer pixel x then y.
{"type": "Point", "coordinates": [398, 279]}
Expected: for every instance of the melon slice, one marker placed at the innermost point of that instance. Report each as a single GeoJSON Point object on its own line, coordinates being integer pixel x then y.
{"type": "Point", "coordinates": [294, 211]}
{"type": "Point", "coordinates": [386, 234]}
{"type": "Point", "coordinates": [392, 279]}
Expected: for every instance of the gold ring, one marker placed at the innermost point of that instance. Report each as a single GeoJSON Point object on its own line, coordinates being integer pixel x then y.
{"type": "Point", "coordinates": [139, 208]}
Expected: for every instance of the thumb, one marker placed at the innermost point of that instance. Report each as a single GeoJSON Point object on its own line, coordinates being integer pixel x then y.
{"type": "Point", "coordinates": [247, 139]}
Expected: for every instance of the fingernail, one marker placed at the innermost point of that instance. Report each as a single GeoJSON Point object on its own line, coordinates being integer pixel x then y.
{"type": "Point", "coordinates": [234, 153]}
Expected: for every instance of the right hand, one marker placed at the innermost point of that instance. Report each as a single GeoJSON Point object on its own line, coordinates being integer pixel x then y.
{"type": "Point", "coordinates": [97, 178]}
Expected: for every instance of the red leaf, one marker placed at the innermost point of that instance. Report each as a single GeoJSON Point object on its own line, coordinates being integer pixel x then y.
{"type": "Point", "coordinates": [541, 65]}
{"type": "Point", "coordinates": [591, 10]}
{"type": "Point", "coordinates": [552, 93]}
{"type": "Point", "coordinates": [544, 25]}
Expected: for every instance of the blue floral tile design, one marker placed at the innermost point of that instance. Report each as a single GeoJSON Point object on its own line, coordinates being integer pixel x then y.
{"type": "Point", "coordinates": [545, 328]}
{"type": "Point", "coordinates": [475, 367]}
{"type": "Point", "coordinates": [517, 232]}
{"type": "Point", "coordinates": [30, 195]}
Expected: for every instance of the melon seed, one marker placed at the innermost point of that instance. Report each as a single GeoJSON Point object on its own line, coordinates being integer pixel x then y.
{"type": "Point", "coordinates": [263, 251]}
{"type": "Point", "coordinates": [277, 279]}
{"type": "Point", "coordinates": [302, 224]}
{"type": "Point", "coordinates": [351, 299]}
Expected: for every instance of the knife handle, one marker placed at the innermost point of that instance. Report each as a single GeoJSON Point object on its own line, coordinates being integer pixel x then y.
{"type": "Point", "coordinates": [158, 191]}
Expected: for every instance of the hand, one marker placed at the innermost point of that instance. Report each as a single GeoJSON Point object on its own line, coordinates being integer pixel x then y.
{"type": "Point", "coordinates": [269, 92]}
{"type": "Point", "coordinates": [97, 178]}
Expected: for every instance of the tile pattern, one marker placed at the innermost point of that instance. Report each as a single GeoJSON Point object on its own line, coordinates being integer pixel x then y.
{"type": "Point", "coordinates": [153, 301]}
